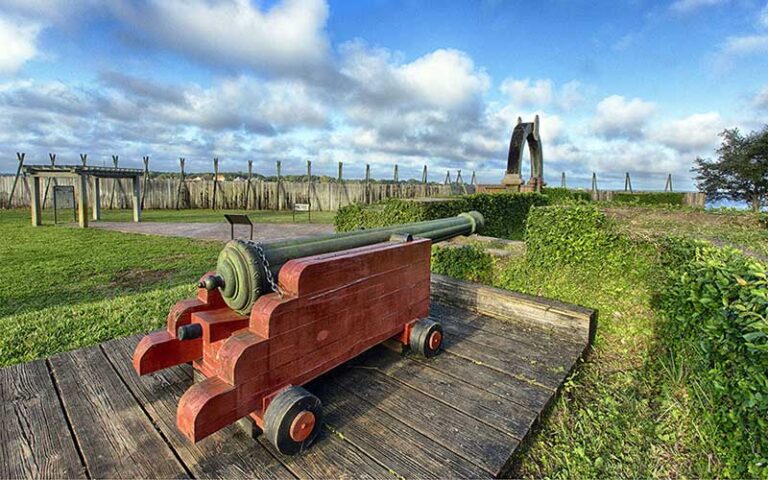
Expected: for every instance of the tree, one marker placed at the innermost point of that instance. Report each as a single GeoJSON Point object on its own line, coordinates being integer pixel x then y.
{"type": "Point", "coordinates": [741, 170]}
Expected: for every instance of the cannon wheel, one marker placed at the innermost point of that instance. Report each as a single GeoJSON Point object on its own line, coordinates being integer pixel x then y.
{"type": "Point", "coordinates": [426, 338]}
{"type": "Point", "coordinates": [293, 420]}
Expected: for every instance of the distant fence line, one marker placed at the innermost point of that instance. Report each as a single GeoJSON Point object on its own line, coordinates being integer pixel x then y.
{"type": "Point", "coordinates": [690, 199]}
{"type": "Point", "coordinates": [233, 194]}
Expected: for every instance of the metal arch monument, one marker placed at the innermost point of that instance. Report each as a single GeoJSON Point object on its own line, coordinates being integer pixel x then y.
{"type": "Point", "coordinates": [524, 134]}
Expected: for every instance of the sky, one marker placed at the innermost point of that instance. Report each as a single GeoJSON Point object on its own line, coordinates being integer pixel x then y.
{"type": "Point", "coordinates": [620, 86]}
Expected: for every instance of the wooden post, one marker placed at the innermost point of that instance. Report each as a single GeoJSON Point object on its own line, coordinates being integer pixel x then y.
{"type": "Point", "coordinates": [137, 198]}
{"type": "Point", "coordinates": [146, 180]}
{"type": "Point", "coordinates": [248, 184]}
{"type": "Point", "coordinates": [20, 158]}
{"type": "Point", "coordinates": [96, 198]}
{"type": "Point", "coordinates": [279, 196]}
{"type": "Point", "coordinates": [447, 180]}
{"type": "Point", "coordinates": [459, 180]}
{"type": "Point", "coordinates": [562, 180]}
{"type": "Point", "coordinates": [396, 176]}
{"type": "Point", "coordinates": [215, 181]}
{"type": "Point", "coordinates": [594, 183]}
{"type": "Point", "coordinates": [82, 207]}
{"type": "Point", "coordinates": [309, 188]}
{"type": "Point", "coordinates": [367, 193]}
{"type": "Point", "coordinates": [473, 181]}
{"type": "Point", "coordinates": [84, 159]}
{"type": "Point", "coordinates": [340, 182]}
{"type": "Point", "coordinates": [424, 175]}
{"type": "Point", "coordinates": [35, 203]}
{"type": "Point", "coordinates": [52, 157]}
{"type": "Point", "coordinates": [115, 181]}
{"type": "Point", "coordinates": [181, 182]}
{"type": "Point", "coordinates": [627, 183]}
{"type": "Point", "coordinates": [668, 185]}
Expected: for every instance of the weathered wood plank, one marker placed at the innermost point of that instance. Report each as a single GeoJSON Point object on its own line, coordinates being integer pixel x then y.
{"type": "Point", "coordinates": [471, 439]}
{"type": "Point", "coordinates": [330, 457]}
{"type": "Point", "coordinates": [35, 441]}
{"type": "Point", "coordinates": [557, 357]}
{"type": "Point", "coordinates": [116, 437]}
{"type": "Point", "coordinates": [574, 320]}
{"type": "Point", "coordinates": [229, 453]}
{"type": "Point", "coordinates": [503, 361]}
{"type": "Point", "coordinates": [527, 394]}
{"type": "Point", "coordinates": [402, 449]}
{"type": "Point", "coordinates": [538, 337]}
{"type": "Point", "coordinates": [495, 411]}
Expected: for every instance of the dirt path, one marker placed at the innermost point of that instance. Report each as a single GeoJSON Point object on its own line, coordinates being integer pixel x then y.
{"type": "Point", "coordinates": [218, 231]}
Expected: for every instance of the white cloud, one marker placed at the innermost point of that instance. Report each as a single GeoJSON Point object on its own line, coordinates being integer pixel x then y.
{"type": "Point", "coordinates": [760, 100]}
{"type": "Point", "coordinates": [687, 6]}
{"type": "Point", "coordinates": [18, 43]}
{"type": "Point", "coordinates": [443, 79]}
{"type": "Point", "coordinates": [617, 116]}
{"type": "Point", "coordinates": [525, 93]}
{"type": "Point", "coordinates": [541, 93]}
{"type": "Point", "coordinates": [287, 37]}
{"type": "Point", "coordinates": [695, 133]}
{"type": "Point", "coordinates": [745, 45]}
{"type": "Point", "coordinates": [762, 19]}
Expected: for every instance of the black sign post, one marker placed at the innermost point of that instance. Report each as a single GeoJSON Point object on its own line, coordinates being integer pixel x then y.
{"type": "Point", "coordinates": [63, 197]}
{"type": "Point", "coordinates": [238, 219]}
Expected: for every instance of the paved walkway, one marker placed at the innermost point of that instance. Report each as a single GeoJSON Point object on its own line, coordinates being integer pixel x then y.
{"type": "Point", "coordinates": [219, 231]}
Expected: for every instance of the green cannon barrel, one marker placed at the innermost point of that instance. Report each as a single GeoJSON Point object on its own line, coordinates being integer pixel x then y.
{"type": "Point", "coordinates": [241, 268]}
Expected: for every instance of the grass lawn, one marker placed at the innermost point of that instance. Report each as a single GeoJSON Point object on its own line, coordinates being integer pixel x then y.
{"type": "Point", "coordinates": [65, 288]}
{"type": "Point", "coordinates": [619, 414]}
{"type": "Point", "coordinates": [195, 216]}
{"type": "Point", "coordinates": [740, 230]}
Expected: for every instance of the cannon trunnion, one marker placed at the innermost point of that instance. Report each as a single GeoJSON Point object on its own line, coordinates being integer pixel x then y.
{"type": "Point", "coordinates": [257, 348]}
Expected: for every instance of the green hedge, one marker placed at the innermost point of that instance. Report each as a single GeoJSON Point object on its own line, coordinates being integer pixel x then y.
{"type": "Point", "coordinates": [465, 263]}
{"type": "Point", "coordinates": [504, 213]}
{"type": "Point", "coordinates": [716, 303]}
{"type": "Point", "coordinates": [651, 198]}
{"type": "Point", "coordinates": [567, 234]}
{"type": "Point", "coordinates": [559, 196]}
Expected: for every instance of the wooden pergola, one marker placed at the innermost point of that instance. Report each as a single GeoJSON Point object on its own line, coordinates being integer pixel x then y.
{"type": "Point", "coordinates": [82, 175]}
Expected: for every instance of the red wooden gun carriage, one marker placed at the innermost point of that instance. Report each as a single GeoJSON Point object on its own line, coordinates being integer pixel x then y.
{"type": "Point", "coordinates": [275, 316]}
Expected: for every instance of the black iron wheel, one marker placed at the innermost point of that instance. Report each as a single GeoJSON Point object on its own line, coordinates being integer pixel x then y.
{"type": "Point", "coordinates": [426, 338]}
{"type": "Point", "coordinates": [293, 420]}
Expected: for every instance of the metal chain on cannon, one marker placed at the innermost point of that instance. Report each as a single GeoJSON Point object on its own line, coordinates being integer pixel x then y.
{"type": "Point", "coordinates": [265, 264]}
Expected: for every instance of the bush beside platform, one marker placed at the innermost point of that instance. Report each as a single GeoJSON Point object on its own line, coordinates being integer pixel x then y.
{"type": "Point", "coordinates": [715, 302]}
{"type": "Point", "coordinates": [504, 213]}
{"type": "Point", "coordinates": [701, 336]}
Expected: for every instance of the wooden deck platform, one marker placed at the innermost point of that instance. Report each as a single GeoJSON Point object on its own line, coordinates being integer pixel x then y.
{"type": "Point", "coordinates": [462, 414]}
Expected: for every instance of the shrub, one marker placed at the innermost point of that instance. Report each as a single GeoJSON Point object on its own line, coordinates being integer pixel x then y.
{"type": "Point", "coordinates": [559, 196]}
{"type": "Point", "coordinates": [567, 234]}
{"type": "Point", "coordinates": [465, 263]}
{"type": "Point", "coordinates": [649, 198]}
{"type": "Point", "coordinates": [762, 219]}
{"type": "Point", "coordinates": [504, 213]}
{"type": "Point", "coordinates": [396, 211]}
{"type": "Point", "coordinates": [715, 302]}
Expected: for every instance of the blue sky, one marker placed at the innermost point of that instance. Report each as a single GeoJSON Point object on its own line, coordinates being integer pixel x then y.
{"type": "Point", "coordinates": [633, 85]}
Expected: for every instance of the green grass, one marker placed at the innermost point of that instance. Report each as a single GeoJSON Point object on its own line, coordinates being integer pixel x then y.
{"type": "Point", "coordinates": [64, 288]}
{"type": "Point", "coordinates": [195, 216]}
{"type": "Point", "coordinates": [740, 230]}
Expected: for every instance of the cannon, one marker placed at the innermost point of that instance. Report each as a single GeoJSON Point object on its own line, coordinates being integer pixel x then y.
{"type": "Point", "coordinates": [275, 316]}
